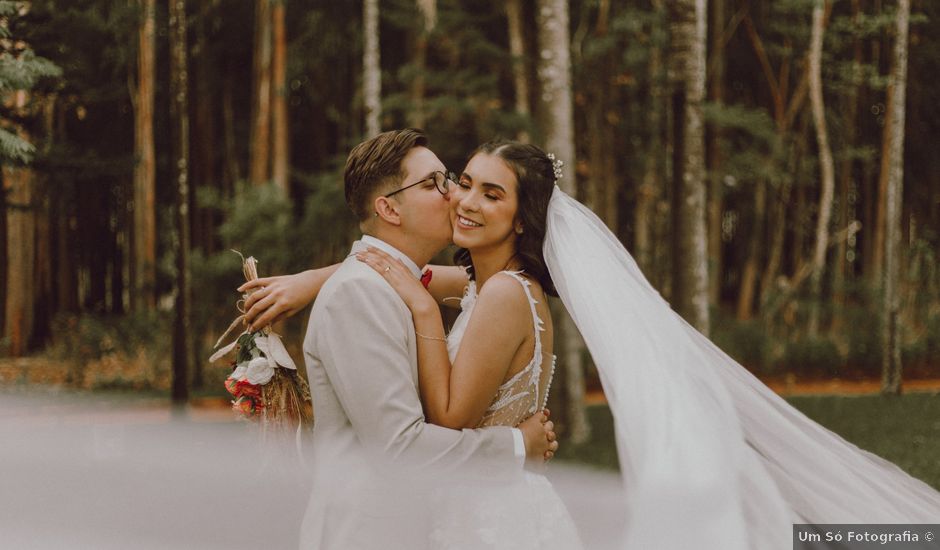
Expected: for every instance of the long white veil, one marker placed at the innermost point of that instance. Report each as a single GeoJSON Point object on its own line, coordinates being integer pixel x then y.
{"type": "Point", "coordinates": [710, 457]}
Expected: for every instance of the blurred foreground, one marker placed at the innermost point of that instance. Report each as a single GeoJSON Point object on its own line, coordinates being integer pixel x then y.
{"type": "Point", "coordinates": [114, 471]}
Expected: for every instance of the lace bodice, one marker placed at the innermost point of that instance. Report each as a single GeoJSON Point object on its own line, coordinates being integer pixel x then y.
{"type": "Point", "coordinates": [523, 393]}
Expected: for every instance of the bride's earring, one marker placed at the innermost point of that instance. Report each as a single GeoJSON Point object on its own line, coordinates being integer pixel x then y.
{"type": "Point", "coordinates": [519, 230]}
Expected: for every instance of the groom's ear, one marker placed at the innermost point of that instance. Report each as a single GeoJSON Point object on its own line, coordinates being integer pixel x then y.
{"type": "Point", "coordinates": [387, 209]}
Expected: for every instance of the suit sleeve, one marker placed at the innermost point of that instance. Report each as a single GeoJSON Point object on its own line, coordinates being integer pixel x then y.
{"type": "Point", "coordinates": [364, 350]}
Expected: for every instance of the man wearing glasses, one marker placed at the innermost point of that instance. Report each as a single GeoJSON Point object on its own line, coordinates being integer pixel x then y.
{"type": "Point", "coordinates": [373, 454]}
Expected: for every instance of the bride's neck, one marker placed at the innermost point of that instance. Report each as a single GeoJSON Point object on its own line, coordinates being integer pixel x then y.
{"type": "Point", "coordinates": [487, 263]}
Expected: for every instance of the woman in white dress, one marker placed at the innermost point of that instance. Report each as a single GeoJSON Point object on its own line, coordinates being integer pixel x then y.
{"type": "Point", "coordinates": [496, 365]}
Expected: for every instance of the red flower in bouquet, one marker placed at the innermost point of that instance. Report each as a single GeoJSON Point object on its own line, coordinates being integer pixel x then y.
{"type": "Point", "coordinates": [247, 406]}
{"type": "Point", "coordinates": [242, 388]}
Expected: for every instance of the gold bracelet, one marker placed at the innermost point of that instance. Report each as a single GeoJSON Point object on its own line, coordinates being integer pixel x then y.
{"type": "Point", "coordinates": [430, 337]}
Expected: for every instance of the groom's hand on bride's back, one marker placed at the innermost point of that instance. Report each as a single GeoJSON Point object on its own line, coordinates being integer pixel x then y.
{"type": "Point", "coordinates": [540, 439]}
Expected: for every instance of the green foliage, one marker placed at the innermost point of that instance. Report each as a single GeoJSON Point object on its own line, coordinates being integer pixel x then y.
{"type": "Point", "coordinates": [904, 430]}
{"type": "Point", "coordinates": [466, 73]}
{"type": "Point", "coordinates": [600, 451]}
{"type": "Point", "coordinates": [813, 357]}
{"type": "Point", "coordinates": [750, 141]}
{"type": "Point", "coordinates": [746, 342]}
{"type": "Point", "coordinates": [23, 71]}
{"type": "Point", "coordinates": [261, 222]}
{"type": "Point", "coordinates": [258, 223]}
{"type": "Point", "coordinates": [8, 8]}
{"type": "Point", "coordinates": [20, 69]}
{"type": "Point", "coordinates": [327, 226]}
{"type": "Point", "coordinates": [114, 352]}
{"type": "Point", "coordinates": [15, 149]}
{"type": "Point", "coordinates": [882, 425]}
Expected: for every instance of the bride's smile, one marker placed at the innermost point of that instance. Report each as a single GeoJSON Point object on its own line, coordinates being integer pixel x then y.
{"type": "Point", "coordinates": [484, 205]}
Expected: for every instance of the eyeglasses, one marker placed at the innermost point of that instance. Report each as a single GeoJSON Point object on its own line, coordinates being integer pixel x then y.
{"type": "Point", "coordinates": [441, 180]}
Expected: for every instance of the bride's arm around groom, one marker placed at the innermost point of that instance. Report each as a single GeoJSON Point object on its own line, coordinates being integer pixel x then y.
{"type": "Point", "coordinates": [373, 452]}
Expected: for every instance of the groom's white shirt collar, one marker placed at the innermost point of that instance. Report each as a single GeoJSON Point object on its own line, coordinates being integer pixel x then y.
{"type": "Point", "coordinates": [375, 242]}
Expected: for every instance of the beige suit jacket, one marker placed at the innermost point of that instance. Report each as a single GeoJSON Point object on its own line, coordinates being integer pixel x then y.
{"type": "Point", "coordinates": [374, 456]}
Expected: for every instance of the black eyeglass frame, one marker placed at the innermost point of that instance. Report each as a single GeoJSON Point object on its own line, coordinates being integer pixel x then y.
{"type": "Point", "coordinates": [441, 186]}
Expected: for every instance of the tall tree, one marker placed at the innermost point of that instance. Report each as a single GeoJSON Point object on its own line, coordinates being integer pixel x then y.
{"type": "Point", "coordinates": [20, 70]}
{"type": "Point", "coordinates": [280, 148]}
{"type": "Point", "coordinates": [144, 230]}
{"type": "Point", "coordinates": [179, 113]}
{"type": "Point", "coordinates": [786, 103]}
{"type": "Point", "coordinates": [826, 167]}
{"type": "Point", "coordinates": [520, 79]}
{"type": "Point", "coordinates": [893, 164]}
{"type": "Point", "coordinates": [21, 197]}
{"type": "Point", "coordinates": [716, 95]}
{"type": "Point", "coordinates": [687, 64]}
{"type": "Point", "coordinates": [427, 22]}
{"type": "Point", "coordinates": [371, 67]}
{"type": "Point", "coordinates": [204, 65]}
{"type": "Point", "coordinates": [846, 169]}
{"type": "Point", "coordinates": [554, 75]}
{"type": "Point", "coordinates": [601, 186]}
{"type": "Point", "coordinates": [259, 171]}
{"type": "Point", "coordinates": [650, 190]}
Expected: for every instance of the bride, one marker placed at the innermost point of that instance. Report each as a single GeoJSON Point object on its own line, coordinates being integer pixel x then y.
{"type": "Point", "coordinates": [710, 457]}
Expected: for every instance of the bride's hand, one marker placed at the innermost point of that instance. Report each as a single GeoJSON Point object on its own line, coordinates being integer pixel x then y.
{"type": "Point", "coordinates": [276, 298]}
{"type": "Point", "coordinates": [398, 275]}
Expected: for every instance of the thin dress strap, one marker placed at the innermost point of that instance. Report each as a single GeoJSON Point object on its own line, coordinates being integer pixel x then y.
{"type": "Point", "coordinates": [536, 363]}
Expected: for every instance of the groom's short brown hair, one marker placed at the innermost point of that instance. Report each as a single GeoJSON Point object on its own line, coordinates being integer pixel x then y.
{"type": "Point", "coordinates": [376, 164]}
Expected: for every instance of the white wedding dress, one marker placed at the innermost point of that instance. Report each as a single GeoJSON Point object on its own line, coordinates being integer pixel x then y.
{"type": "Point", "coordinates": [527, 514]}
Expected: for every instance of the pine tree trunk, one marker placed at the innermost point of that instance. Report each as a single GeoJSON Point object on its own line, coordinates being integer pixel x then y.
{"type": "Point", "coordinates": [554, 74]}
{"type": "Point", "coordinates": [651, 189]}
{"type": "Point", "coordinates": [202, 154]}
{"type": "Point", "coordinates": [601, 184]}
{"type": "Point", "coordinates": [520, 80]}
{"type": "Point", "coordinates": [894, 159]}
{"type": "Point", "coordinates": [846, 185]}
{"type": "Point", "coordinates": [688, 36]}
{"type": "Point", "coordinates": [371, 68]}
{"type": "Point", "coordinates": [280, 146]}
{"type": "Point", "coordinates": [259, 171]}
{"type": "Point", "coordinates": [19, 188]}
{"type": "Point", "coordinates": [144, 261]}
{"type": "Point", "coordinates": [754, 254]}
{"type": "Point", "coordinates": [4, 258]}
{"type": "Point", "coordinates": [231, 165]}
{"type": "Point", "coordinates": [826, 166]}
{"type": "Point", "coordinates": [204, 134]}
{"type": "Point", "coordinates": [716, 93]}
{"type": "Point", "coordinates": [179, 113]}
{"type": "Point", "coordinates": [66, 295]}
{"type": "Point", "coordinates": [778, 225]}
{"type": "Point", "coordinates": [427, 22]}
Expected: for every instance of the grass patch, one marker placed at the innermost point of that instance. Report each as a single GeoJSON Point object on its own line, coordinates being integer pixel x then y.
{"type": "Point", "coordinates": [904, 430]}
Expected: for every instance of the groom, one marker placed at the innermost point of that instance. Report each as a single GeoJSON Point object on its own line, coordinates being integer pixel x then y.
{"type": "Point", "coordinates": [374, 455]}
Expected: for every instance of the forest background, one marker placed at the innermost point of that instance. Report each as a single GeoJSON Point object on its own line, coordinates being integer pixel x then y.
{"type": "Point", "coordinates": [770, 164]}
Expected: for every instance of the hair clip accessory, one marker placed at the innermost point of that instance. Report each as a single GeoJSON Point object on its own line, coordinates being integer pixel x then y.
{"type": "Point", "coordinates": [556, 166]}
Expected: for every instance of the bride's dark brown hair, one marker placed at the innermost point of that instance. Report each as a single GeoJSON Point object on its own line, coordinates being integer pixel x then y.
{"type": "Point", "coordinates": [535, 178]}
